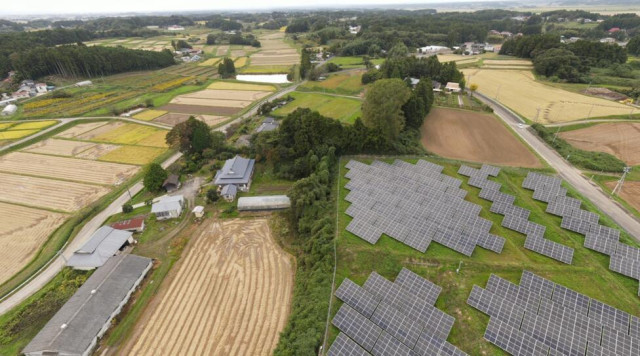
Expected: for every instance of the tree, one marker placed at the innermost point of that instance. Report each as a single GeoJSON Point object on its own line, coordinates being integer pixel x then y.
{"type": "Point", "coordinates": [382, 107]}
{"type": "Point", "coordinates": [212, 195]}
{"type": "Point", "coordinates": [127, 208]}
{"type": "Point", "coordinates": [154, 177]}
{"type": "Point", "coordinates": [472, 88]}
{"type": "Point", "coordinates": [227, 69]}
{"type": "Point", "coordinates": [398, 50]}
{"type": "Point", "coordinates": [305, 63]}
{"type": "Point", "coordinates": [558, 62]}
{"type": "Point", "coordinates": [191, 136]}
{"type": "Point", "coordinates": [211, 39]}
{"type": "Point", "coordinates": [633, 47]}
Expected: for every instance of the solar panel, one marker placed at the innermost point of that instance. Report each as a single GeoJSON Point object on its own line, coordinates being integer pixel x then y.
{"type": "Point", "coordinates": [549, 248]}
{"type": "Point", "coordinates": [357, 327]}
{"type": "Point", "coordinates": [466, 171]}
{"type": "Point", "coordinates": [511, 292]}
{"type": "Point", "coordinates": [344, 346]}
{"type": "Point", "coordinates": [428, 345]}
{"type": "Point", "coordinates": [496, 306]}
{"type": "Point", "coordinates": [609, 316]}
{"type": "Point", "coordinates": [626, 266]}
{"type": "Point", "coordinates": [356, 297]}
{"type": "Point", "coordinates": [597, 350]}
{"type": "Point", "coordinates": [587, 329]}
{"type": "Point", "coordinates": [387, 345]}
{"type": "Point", "coordinates": [491, 242]}
{"type": "Point", "coordinates": [619, 342]}
{"type": "Point", "coordinates": [553, 335]}
{"type": "Point", "coordinates": [627, 251]}
{"type": "Point", "coordinates": [512, 340]}
{"type": "Point", "coordinates": [576, 225]}
{"type": "Point", "coordinates": [490, 170]}
{"type": "Point", "coordinates": [397, 324]}
{"type": "Point", "coordinates": [634, 329]}
{"type": "Point", "coordinates": [419, 286]}
{"type": "Point", "coordinates": [600, 243]}
{"type": "Point", "coordinates": [571, 299]}
{"type": "Point", "coordinates": [537, 284]}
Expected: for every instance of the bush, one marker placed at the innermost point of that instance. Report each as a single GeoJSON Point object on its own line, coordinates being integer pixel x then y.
{"type": "Point", "coordinates": [212, 195]}
{"type": "Point", "coordinates": [127, 208]}
{"type": "Point", "coordinates": [596, 161]}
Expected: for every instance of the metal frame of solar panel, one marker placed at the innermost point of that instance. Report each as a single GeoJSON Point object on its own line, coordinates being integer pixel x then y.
{"type": "Point", "coordinates": [344, 346]}
{"type": "Point", "coordinates": [496, 196]}
{"type": "Point", "coordinates": [509, 209]}
{"type": "Point", "coordinates": [628, 251]}
{"type": "Point", "coordinates": [626, 266]}
{"type": "Point", "coordinates": [576, 225]}
{"type": "Point", "coordinates": [549, 248]}
{"type": "Point", "coordinates": [490, 170]}
{"type": "Point", "coordinates": [548, 194]}
{"type": "Point", "coordinates": [600, 243]}
{"type": "Point", "coordinates": [512, 340]}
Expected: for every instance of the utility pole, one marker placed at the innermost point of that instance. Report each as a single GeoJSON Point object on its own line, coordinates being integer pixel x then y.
{"type": "Point", "coordinates": [498, 92]}
{"type": "Point", "coordinates": [618, 187]}
{"type": "Point", "coordinates": [555, 135]}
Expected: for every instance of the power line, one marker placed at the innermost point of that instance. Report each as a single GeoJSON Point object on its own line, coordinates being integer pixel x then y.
{"type": "Point", "coordinates": [618, 187]}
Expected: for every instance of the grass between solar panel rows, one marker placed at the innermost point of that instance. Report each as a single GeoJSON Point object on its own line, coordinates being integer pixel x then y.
{"type": "Point", "coordinates": [589, 273]}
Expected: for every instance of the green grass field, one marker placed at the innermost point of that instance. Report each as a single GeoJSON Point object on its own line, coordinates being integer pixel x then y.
{"type": "Point", "coordinates": [353, 62]}
{"type": "Point", "coordinates": [340, 108]}
{"type": "Point", "coordinates": [589, 273]}
{"type": "Point", "coordinates": [339, 83]}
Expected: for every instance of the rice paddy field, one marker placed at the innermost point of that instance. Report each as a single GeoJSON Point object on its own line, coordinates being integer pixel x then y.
{"type": "Point", "coordinates": [523, 94]}
{"type": "Point", "coordinates": [12, 131]}
{"type": "Point", "coordinates": [274, 56]}
{"type": "Point", "coordinates": [589, 274]}
{"type": "Point", "coordinates": [345, 109]}
{"type": "Point", "coordinates": [149, 115]}
{"type": "Point", "coordinates": [353, 62]}
{"type": "Point", "coordinates": [348, 83]}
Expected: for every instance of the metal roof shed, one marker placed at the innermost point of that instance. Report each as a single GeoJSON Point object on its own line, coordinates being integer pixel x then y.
{"type": "Point", "coordinates": [103, 244]}
{"type": "Point", "coordinates": [268, 202]}
{"type": "Point", "coordinates": [77, 326]}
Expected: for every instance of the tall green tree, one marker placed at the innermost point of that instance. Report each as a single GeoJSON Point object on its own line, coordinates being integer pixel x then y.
{"type": "Point", "coordinates": [191, 136]}
{"type": "Point", "coordinates": [227, 69]}
{"type": "Point", "coordinates": [382, 107]}
{"type": "Point", "coordinates": [154, 177]}
{"type": "Point", "coordinates": [633, 47]}
{"type": "Point", "coordinates": [305, 63]}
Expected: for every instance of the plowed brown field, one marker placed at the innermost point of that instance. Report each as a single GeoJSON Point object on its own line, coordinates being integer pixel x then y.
{"type": "Point", "coordinates": [230, 295]}
{"type": "Point", "coordinates": [621, 139]}
{"type": "Point", "coordinates": [22, 232]}
{"type": "Point", "coordinates": [472, 136]}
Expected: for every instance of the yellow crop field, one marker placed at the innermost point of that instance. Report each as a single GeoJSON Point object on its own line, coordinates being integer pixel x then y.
{"type": "Point", "coordinates": [12, 135]}
{"type": "Point", "coordinates": [127, 134]}
{"type": "Point", "coordinates": [79, 129]}
{"type": "Point", "coordinates": [4, 126]}
{"type": "Point", "coordinates": [240, 86]}
{"type": "Point", "coordinates": [132, 155]}
{"type": "Point", "coordinates": [149, 115]}
{"type": "Point", "coordinates": [157, 139]}
{"type": "Point", "coordinates": [33, 125]}
{"type": "Point", "coordinates": [210, 62]}
{"type": "Point", "coordinates": [519, 91]}
{"type": "Point", "coordinates": [241, 62]}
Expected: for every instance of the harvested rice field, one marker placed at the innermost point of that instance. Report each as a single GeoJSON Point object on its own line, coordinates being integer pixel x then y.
{"type": "Point", "coordinates": [228, 295]}
{"type": "Point", "coordinates": [201, 109]}
{"type": "Point", "coordinates": [222, 51]}
{"type": "Point", "coordinates": [130, 134]}
{"type": "Point", "coordinates": [98, 130]}
{"type": "Point", "coordinates": [48, 193]}
{"type": "Point", "coordinates": [231, 95]}
{"type": "Point", "coordinates": [274, 51]}
{"type": "Point", "coordinates": [173, 119]}
{"type": "Point", "coordinates": [66, 168]}
{"type": "Point", "coordinates": [219, 85]}
{"type": "Point", "coordinates": [33, 125]}
{"type": "Point", "coordinates": [79, 129]}
{"type": "Point", "coordinates": [22, 232]}
{"type": "Point", "coordinates": [211, 102]}
{"type": "Point", "coordinates": [212, 120]}
{"type": "Point", "coordinates": [59, 147]}
{"type": "Point", "coordinates": [149, 115]}
{"type": "Point", "coordinates": [132, 155]}
{"type": "Point", "coordinates": [240, 62]}
{"type": "Point", "coordinates": [519, 91]}
{"type": "Point", "coordinates": [209, 62]}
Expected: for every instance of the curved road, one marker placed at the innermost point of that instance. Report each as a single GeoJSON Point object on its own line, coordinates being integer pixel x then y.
{"type": "Point", "coordinates": [50, 270]}
{"type": "Point", "coordinates": [568, 172]}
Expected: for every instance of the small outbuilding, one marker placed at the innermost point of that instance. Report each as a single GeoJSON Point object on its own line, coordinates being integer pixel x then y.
{"type": "Point", "coordinates": [9, 110]}
{"type": "Point", "coordinates": [103, 244]}
{"type": "Point", "coordinates": [171, 183]}
{"type": "Point", "coordinates": [437, 87]}
{"type": "Point", "coordinates": [168, 207]}
{"type": "Point", "coordinates": [76, 328]}
{"type": "Point", "coordinates": [229, 192]}
{"type": "Point", "coordinates": [198, 211]}
{"type": "Point", "coordinates": [453, 87]}
{"type": "Point", "coordinates": [267, 202]}
{"type": "Point", "coordinates": [131, 225]}
{"type": "Point", "coordinates": [84, 83]}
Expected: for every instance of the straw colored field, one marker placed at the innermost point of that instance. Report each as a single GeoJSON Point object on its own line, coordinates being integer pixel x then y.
{"type": "Point", "coordinates": [519, 91]}
{"type": "Point", "coordinates": [264, 69]}
{"type": "Point", "coordinates": [249, 95]}
{"type": "Point", "coordinates": [228, 295]}
{"type": "Point", "coordinates": [149, 115]}
{"type": "Point", "coordinates": [58, 147]}
{"type": "Point", "coordinates": [219, 85]}
{"type": "Point", "coordinates": [99, 130]}
{"type": "Point", "coordinates": [132, 155]}
{"type": "Point", "coordinates": [222, 50]}
{"type": "Point", "coordinates": [341, 108]}
{"type": "Point", "coordinates": [33, 125]}
{"type": "Point", "coordinates": [210, 62]}
{"type": "Point", "coordinates": [506, 67]}
{"type": "Point", "coordinates": [241, 62]}
{"type": "Point", "coordinates": [48, 193]}
{"type": "Point", "coordinates": [266, 60]}
{"type": "Point", "coordinates": [173, 119]}
{"type": "Point", "coordinates": [22, 231]}
{"type": "Point", "coordinates": [212, 102]}
{"type": "Point", "coordinates": [238, 53]}
{"type": "Point", "coordinates": [212, 120]}
{"type": "Point", "coordinates": [343, 83]}
{"type": "Point", "coordinates": [201, 109]}
{"type": "Point", "coordinates": [473, 136]}
{"type": "Point", "coordinates": [274, 51]}
{"type": "Point", "coordinates": [621, 139]}
{"type": "Point", "coordinates": [80, 129]}
{"type": "Point", "coordinates": [12, 135]}
{"type": "Point", "coordinates": [157, 139]}
{"type": "Point", "coordinates": [459, 59]}
{"type": "Point", "coordinates": [507, 62]}
{"type": "Point", "coordinates": [128, 134]}
{"type": "Point", "coordinates": [66, 168]}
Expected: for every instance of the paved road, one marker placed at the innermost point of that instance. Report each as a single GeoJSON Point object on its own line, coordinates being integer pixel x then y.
{"type": "Point", "coordinates": [568, 172]}
{"type": "Point", "coordinates": [52, 269]}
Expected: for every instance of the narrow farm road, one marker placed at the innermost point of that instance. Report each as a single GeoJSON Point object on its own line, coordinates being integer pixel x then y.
{"type": "Point", "coordinates": [568, 172]}
{"type": "Point", "coordinates": [570, 123]}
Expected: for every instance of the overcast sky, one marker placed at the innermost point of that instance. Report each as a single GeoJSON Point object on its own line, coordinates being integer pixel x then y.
{"type": "Point", "coordinates": [26, 7]}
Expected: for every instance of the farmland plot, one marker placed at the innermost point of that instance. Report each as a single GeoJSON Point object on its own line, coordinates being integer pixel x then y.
{"type": "Point", "coordinates": [80, 129]}
{"type": "Point", "coordinates": [48, 193]}
{"type": "Point", "coordinates": [58, 147]}
{"type": "Point", "coordinates": [132, 155]}
{"type": "Point", "coordinates": [621, 139]}
{"type": "Point", "coordinates": [98, 130]}
{"type": "Point", "coordinates": [22, 231]}
{"type": "Point", "coordinates": [229, 295]}
{"type": "Point", "coordinates": [66, 168]}
{"type": "Point", "coordinates": [128, 134]}
{"type": "Point", "coordinates": [219, 85]}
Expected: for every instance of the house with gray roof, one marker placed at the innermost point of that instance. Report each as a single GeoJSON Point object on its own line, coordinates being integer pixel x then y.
{"type": "Point", "coordinates": [229, 192]}
{"type": "Point", "coordinates": [269, 124]}
{"type": "Point", "coordinates": [168, 207]}
{"type": "Point", "coordinates": [236, 171]}
{"type": "Point", "coordinates": [76, 328]}
{"type": "Point", "coordinates": [103, 244]}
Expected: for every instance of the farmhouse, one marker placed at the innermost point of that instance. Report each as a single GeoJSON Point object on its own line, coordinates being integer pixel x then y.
{"type": "Point", "coordinates": [9, 110]}
{"type": "Point", "coordinates": [236, 171]}
{"type": "Point", "coordinates": [229, 192]}
{"type": "Point", "coordinates": [103, 244]}
{"type": "Point", "coordinates": [131, 225]}
{"type": "Point", "coordinates": [267, 202]}
{"type": "Point", "coordinates": [269, 124]}
{"type": "Point", "coordinates": [452, 87]}
{"type": "Point", "coordinates": [171, 183]}
{"type": "Point", "coordinates": [77, 326]}
{"type": "Point", "coordinates": [168, 207]}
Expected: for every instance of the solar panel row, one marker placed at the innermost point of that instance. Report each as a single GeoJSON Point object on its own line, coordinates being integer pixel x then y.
{"type": "Point", "coordinates": [392, 318]}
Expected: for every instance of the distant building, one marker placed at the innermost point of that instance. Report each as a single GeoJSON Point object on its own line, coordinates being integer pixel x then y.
{"type": "Point", "coordinates": [84, 83]}
{"type": "Point", "coordinates": [236, 171]}
{"type": "Point", "coordinates": [21, 94]}
{"type": "Point", "coordinates": [175, 28]}
{"type": "Point", "coordinates": [153, 27]}
{"type": "Point", "coordinates": [437, 86]}
{"type": "Point", "coordinates": [608, 40]}
{"type": "Point", "coordinates": [269, 124]}
{"type": "Point", "coordinates": [76, 328]}
{"type": "Point", "coordinates": [198, 211]}
{"type": "Point", "coordinates": [354, 30]}
{"type": "Point", "coordinates": [574, 39]}
{"type": "Point", "coordinates": [41, 88]}
{"type": "Point", "coordinates": [9, 110]}
{"type": "Point", "coordinates": [103, 244]}
{"type": "Point", "coordinates": [432, 49]}
{"type": "Point", "coordinates": [413, 81]}
{"type": "Point", "coordinates": [270, 202]}
{"type": "Point", "coordinates": [614, 30]}
{"type": "Point", "coordinates": [131, 225]}
{"type": "Point", "coordinates": [7, 101]}
{"type": "Point", "coordinates": [452, 87]}
{"type": "Point", "coordinates": [171, 183]}
{"type": "Point", "coordinates": [229, 192]}
{"type": "Point", "coordinates": [168, 207]}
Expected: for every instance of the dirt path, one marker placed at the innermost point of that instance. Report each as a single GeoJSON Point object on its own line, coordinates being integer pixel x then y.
{"type": "Point", "coordinates": [229, 295]}
{"type": "Point", "coordinates": [473, 136]}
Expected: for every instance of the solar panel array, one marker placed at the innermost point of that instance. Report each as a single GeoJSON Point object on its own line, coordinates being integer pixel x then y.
{"type": "Point", "coordinates": [540, 317]}
{"type": "Point", "coordinates": [625, 259]}
{"type": "Point", "coordinates": [392, 318]}
{"type": "Point", "coordinates": [515, 217]}
{"type": "Point", "coordinates": [415, 204]}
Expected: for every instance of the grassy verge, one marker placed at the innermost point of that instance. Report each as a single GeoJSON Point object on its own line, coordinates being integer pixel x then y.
{"type": "Point", "coordinates": [589, 273]}
{"type": "Point", "coordinates": [340, 108]}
